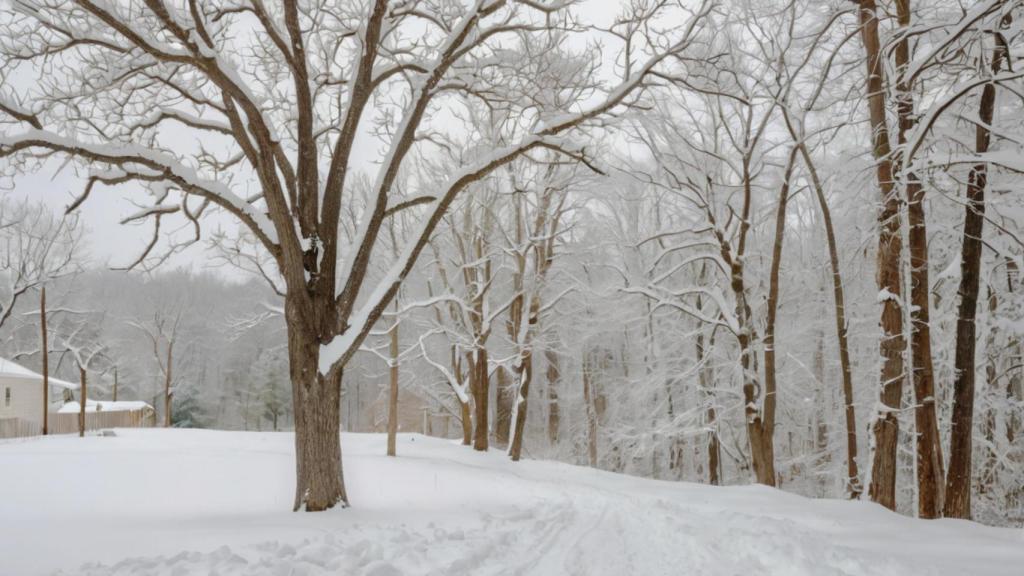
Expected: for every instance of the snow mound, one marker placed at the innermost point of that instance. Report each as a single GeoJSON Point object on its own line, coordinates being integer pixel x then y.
{"type": "Point", "coordinates": [103, 406]}
{"type": "Point", "coordinates": [180, 502]}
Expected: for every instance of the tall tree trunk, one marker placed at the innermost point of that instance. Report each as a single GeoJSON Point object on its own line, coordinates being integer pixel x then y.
{"type": "Point", "coordinates": [115, 384]}
{"type": "Point", "coordinates": [46, 361]}
{"type": "Point", "coordinates": [1015, 379]}
{"type": "Point", "coordinates": [465, 413]}
{"type": "Point", "coordinates": [519, 406]}
{"type": "Point", "coordinates": [958, 482]}
{"type": "Point", "coordinates": [481, 397]}
{"type": "Point", "coordinates": [320, 482]}
{"type": "Point", "coordinates": [706, 378]}
{"type": "Point", "coordinates": [553, 375]}
{"type": "Point", "coordinates": [467, 423]}
{"type": "Point", "coordinates": [591, 411]}
{"type": "Point", "coordinates": [929, 448]}
{"type": "Point", "coordinates": [167, 385]}
{"type": "Point", "coordinates": [393, 391]}
{"type": "Point", "coordinates": [503, 410]}
{"type": "Point", "coordinates": [319, 443]}
{"type": "Point", "coordinates": [84, 389]}
{"type": "Point", "coordinates": [892, 344]}
{"type": "Point", "coordinates": [770, 385]}
{"type": "Point", "coordinates": [852, 484]}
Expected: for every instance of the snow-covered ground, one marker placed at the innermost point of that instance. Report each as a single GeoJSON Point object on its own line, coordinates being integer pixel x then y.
{"type": "Point", "coordinates": [183, 502]}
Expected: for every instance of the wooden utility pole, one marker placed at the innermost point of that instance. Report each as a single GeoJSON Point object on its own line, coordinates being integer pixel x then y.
{"type": "Point", "coordinates": [46, 362]}
{"type": "Point", "coordinates": [84, 396]}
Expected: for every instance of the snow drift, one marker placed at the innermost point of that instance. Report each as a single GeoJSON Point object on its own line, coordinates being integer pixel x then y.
{"type": "Point", "coordinates": [173, 502]}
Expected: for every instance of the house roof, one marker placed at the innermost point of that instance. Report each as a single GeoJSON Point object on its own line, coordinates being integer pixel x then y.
{"type": "Point", "coordinates": [9, 369]}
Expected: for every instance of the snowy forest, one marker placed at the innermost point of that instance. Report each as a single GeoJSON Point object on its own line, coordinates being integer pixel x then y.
{"type": "Point", "coordinates": [721, 242]}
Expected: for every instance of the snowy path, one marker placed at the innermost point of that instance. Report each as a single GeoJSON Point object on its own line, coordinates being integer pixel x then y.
{"type": "Point", "coordinates": [172, 503]}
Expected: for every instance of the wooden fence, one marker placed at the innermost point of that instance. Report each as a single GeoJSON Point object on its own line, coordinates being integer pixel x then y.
{"type": "Point", "coordinates": [67, 423]}
{"type": "Point", "coordinates": [18, 428]}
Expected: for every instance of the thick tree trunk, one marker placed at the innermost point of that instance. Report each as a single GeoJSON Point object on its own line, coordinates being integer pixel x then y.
{"type": "Point", "coordinates": [520, 405]}
{"type": "Point", "coordinates": [320, 483]}
{"type": "Point", "coordinates": [553, 375]}
{"type": "Point", "coordinates": [930, 474]}
{"type": "Point", "coordinates": [318, 444]}
{"type": "Point", "coordinates": [46, 363]}
{"type": "Point", "coordinates": [958, 483]}
{"type": "Point", "coordinates": [84, 389]}
{"type": "Point", "coordinates": [393, 391]}
{"type": "Point", "coordinates": [892, 343]}
{"type": "Point", "coordinates": [503, 410]}
{"type": "Point", "coordinates": [481, 397]}
{"type": "Point", "coordinates": [115, 384]}
{"type": "Point", "coordinates": [467, 423]}
{"type": "Point", "coordinates": [759, 428]}
{"type": "Point", "coordinates": [706, 377]}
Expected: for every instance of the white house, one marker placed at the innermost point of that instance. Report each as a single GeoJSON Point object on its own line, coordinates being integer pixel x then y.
{"type": "Point", "coordinates": [21, 392]}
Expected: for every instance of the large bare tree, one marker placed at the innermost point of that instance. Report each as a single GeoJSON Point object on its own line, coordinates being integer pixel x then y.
{"type": "Point", "coordinates": [261, 110]}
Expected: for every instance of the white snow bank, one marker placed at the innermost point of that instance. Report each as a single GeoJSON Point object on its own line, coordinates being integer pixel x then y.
{"type": "Point", "coordinates": [103, 406]}
{"type": "Point", "coordinates": [170, 502]}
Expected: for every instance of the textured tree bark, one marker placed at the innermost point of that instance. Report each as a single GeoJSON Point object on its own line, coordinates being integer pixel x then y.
{"type": "Point", "coordinates": [758, 403]}
{"type": "Point", "coordinates": [84, 389]}
{"type": "Point", "coordinates": [929, 448]}
{"type": "Point", "coordinates": [317, 406]}
{"type": "Point", "coordinates": [320, 437]}
{"type": "Point", "coordinates": [525, 375]}
{"type": "Point", "coordinates": [553, 376]}
{"type": "Point", "coordinates": [115, 384]}
{"type": "Point", "coordinates": [524, 367]}
{"type": "Point", "coordinates": [958, 481]}
{"type": "Point", "coordinates": [770, 381]}
{"type": "Point", "coordinates": [167, 385]}
{"type": "Point", "coordinates": [591, 411]}
{"type": "Point", "coordinates": [760, 424]}
{"type": "Point", "coordinates": [467, 423]}
{"type": "Point", "coordinates": [46, 363]}
{"type": "Point", "coordinates": [318, 443]}
{"type": "Point", "coordinates": [393, 391]}
{"type": "Point", "coordinates": [503, 410]}
{"type": "Point", "coordinates": [1015, 380]}
{"type": "Point", "coordinates": [892, 344]}
{"type": "Point", "coordinates": [480, 385]}
{"type": "Point", "coordinates": [465, 412]}
{"type": "Point", "coordinates": [706, 377]}
{"type": "Point", "coordinates": [929, 467]}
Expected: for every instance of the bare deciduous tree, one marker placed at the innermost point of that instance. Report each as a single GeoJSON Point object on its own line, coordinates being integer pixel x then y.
{"type": "Point", "coordinates": [279, 161]}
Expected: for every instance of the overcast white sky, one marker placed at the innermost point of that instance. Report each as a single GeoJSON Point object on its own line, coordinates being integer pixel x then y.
{"type": "Point", "coordinates": [113, 244]}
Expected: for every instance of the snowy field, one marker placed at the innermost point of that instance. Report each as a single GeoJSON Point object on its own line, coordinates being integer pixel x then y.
{"type": "Point", "coordinates": [185, 502]}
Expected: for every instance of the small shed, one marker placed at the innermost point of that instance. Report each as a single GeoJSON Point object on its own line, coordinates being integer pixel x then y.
{"type": "Point", "coordinates": [21, 392]}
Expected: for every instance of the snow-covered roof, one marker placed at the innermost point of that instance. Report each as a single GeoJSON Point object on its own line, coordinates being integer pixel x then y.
{"type": "Point", "coordinates": [9, 369]}
{"type": "Point", "coordinates": [103, 406]}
